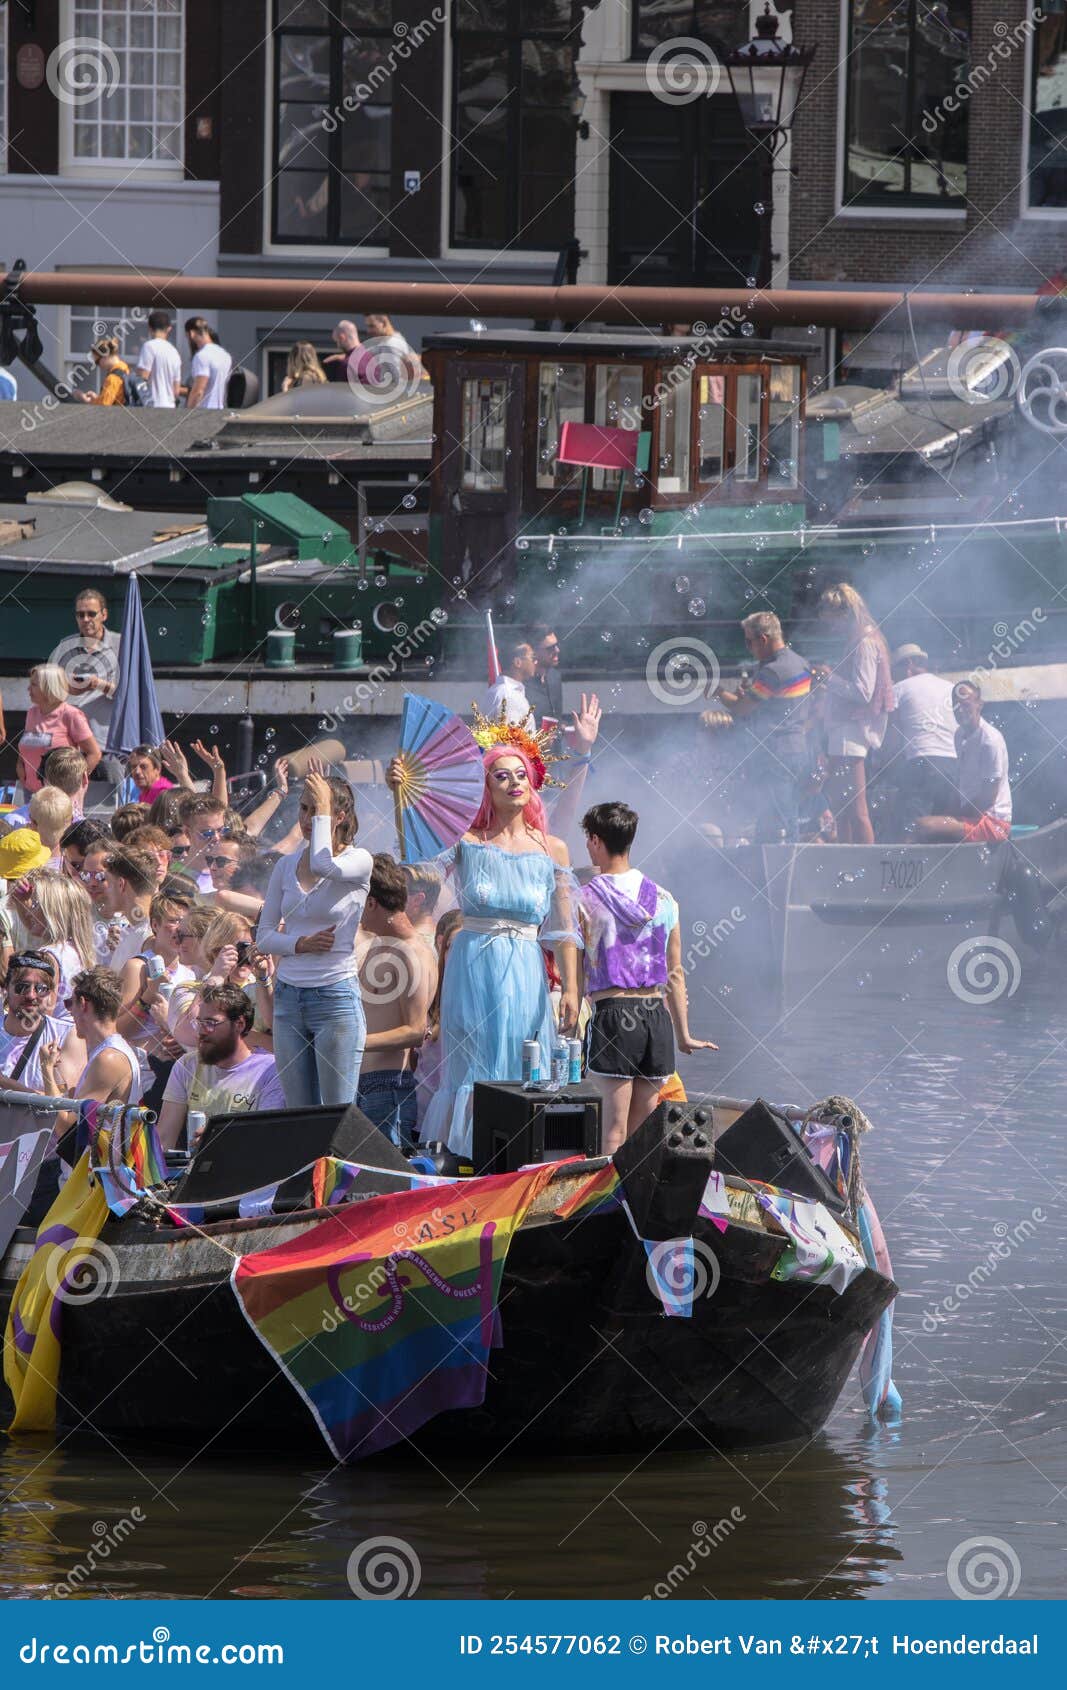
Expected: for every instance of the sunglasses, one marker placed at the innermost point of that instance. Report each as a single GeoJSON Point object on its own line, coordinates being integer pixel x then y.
{"type": "Point", "coordinates": [180, 850]}
{"type": "Point", "coordinates": [92, 877]}
{"type": "Point", "coordinates": [24, 987]}
{"type": "Point", "coordinates": [213, 833]}
{"type": "Point", "coordinates": [216, 862]}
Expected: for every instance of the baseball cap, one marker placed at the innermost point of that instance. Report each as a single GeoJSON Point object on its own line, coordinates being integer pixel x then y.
{"type": "Point", "coordinates": [903, 652]}
{"type": "Point", "coordinates": [21, 851]}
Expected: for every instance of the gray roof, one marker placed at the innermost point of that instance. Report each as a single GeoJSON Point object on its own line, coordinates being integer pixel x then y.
{"type": "Point", "coordinates": [64, 536]}
{"type": "Point", "coordinates": [108, 432]}
{"type": "Point", "coordinates": [877, 424]}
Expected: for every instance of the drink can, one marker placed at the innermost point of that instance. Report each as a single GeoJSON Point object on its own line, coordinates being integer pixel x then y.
{"type": "Point", "coordinates": [574, 1074]}
{"type": "Point", "coordinates": [155, 967]}
{"type": "Point", "coordinates": [560, 1061]}
{"type": "Point", "coordinates": [531, 1062]}
{"type": "Point", "coordinates": [549, 724]}
{"type": "Point", "coordinates": [195, 1122]}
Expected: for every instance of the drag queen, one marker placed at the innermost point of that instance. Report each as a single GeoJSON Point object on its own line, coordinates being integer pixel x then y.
{"type": "Point", "coordinates": [515, 890]}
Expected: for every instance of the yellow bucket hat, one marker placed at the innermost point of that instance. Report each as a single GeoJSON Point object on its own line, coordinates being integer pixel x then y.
{"type": "Point", "coordinates": [21, 851]}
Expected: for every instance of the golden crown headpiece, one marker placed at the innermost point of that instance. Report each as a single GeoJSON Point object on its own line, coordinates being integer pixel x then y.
{"type": "Point", "coordinates": [535, 744]}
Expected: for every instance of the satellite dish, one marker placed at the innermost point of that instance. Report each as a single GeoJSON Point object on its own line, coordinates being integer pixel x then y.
{"type": "Point", "coordinates": [1042, 395]}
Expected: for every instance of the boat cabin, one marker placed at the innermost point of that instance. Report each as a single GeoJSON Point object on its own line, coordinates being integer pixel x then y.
{"type": "Point", "coordinates": [717, 420]}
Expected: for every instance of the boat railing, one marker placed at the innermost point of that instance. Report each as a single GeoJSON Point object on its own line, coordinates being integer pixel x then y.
{"type": "Point", "coordinates": [37, 1103]}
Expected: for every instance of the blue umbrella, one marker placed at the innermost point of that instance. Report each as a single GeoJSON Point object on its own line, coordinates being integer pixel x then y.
{"type": "Point", "coordinates": [135, 718]}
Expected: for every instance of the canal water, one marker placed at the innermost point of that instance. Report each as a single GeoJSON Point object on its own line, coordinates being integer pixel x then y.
{"type": "Point", "coordinates": [968, 1165]}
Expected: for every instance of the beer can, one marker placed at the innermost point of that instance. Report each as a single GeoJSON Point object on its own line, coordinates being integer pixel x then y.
{"type": "Point", "coordinates": [531, 1062]}
{"type": "Point", "coordinates": [574, 1069]}
{"type": "Point", "coordinates": [195, 1122]}
{"type": "Point", "coordinates": [155, 966]}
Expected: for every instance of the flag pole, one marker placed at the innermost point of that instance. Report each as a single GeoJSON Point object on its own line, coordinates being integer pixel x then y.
{"type": "Point", "coordinates": [492, 658]}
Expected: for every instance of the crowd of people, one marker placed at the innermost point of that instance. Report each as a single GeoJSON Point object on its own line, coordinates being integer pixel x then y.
{"type": "Point", "coordinates": [154, 377]}
{"type": "Point", "coordinates": [821, 738]}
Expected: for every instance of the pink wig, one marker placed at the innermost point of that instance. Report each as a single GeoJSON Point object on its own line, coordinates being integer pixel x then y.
{"type": "Point", "coordinates": [534, 813]}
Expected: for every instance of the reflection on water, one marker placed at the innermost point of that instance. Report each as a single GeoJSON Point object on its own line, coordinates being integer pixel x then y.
{"type": "Point", "coordinates": [967, 1163]}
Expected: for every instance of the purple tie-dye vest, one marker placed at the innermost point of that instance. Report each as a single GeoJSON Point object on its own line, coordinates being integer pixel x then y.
{"type": "Point", "coordinates": [626, 938]}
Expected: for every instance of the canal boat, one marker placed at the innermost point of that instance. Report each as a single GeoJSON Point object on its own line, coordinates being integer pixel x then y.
{"type": "Point", "coordinates": [590, 1360]}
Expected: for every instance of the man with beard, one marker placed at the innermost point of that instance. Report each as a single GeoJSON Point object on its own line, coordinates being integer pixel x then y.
{"type": "Point", "coordinates": [224, 1076]}
{"type": "Point", "coordinates": [27, 1027]}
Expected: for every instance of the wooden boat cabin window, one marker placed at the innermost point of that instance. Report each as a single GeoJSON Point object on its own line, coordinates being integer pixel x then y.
{"type": "Point", "coordinates": [748, 398]}
{"type": "Point", "coordinates": [783, 438]}
{"type": "Point", "coordinates": [560, 399]}
{"type": "Point", "coordinates": [484, 419]}
{"type": "Point", "coordinates": [674, 424]}
{"type": "Point", "coordinates": [711, 426]}
{"type": "Point", "coordinates": [619, 391]}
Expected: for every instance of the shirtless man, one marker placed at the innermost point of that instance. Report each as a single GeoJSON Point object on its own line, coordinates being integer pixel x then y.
{"type": "Point", "coordinates": [397, 977]}
{"type": "Point", "coordinates": [112, 1073]}
{"type": "Point", "coordinates": [425, 885]}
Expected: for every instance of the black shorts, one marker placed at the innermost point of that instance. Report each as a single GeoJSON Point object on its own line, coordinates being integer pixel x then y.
{"type": "Point", "coordinates": [631, 1039]}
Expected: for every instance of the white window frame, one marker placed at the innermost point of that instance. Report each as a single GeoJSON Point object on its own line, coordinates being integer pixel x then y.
{"type": "Point", "coordinates": [118, 170]}
{"type": "Point", "coordinates": [1033, 213]}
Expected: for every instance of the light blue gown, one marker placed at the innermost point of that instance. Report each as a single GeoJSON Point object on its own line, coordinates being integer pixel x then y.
{"type": "Point", "coordinates": [495, 993]}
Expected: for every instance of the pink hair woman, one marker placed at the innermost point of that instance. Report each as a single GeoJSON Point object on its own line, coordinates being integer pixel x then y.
{"type": "Point", "coordinates": [513, 885]}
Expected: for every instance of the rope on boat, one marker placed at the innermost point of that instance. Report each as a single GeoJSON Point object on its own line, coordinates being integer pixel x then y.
{"type": "Point", "coordinates": [847, 1118]}
{"type": "Point", "coordinates": [154, 1208]}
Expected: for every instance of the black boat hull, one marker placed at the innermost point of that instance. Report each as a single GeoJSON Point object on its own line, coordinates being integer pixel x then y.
{"type": "Point", "coordinates": [589, 1363]}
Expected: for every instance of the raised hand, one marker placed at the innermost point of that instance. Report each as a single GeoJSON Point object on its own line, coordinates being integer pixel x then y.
{"type": "Point", "coordinates": [281, 775]}
{"type": "Point", "coordinates": [587, 722]}
{"type": "Point", "coordinates": [175, 761]}
{"type": "Point", "coordinates": [318, 791]}
{"type": "Point", "coordinates": [213, 758]}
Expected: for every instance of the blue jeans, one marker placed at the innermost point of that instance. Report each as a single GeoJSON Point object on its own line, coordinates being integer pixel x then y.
{"type": "Point", "coordinates": [778, 779]}
{"type": "Point", "coordinates": [387, 1097]}
{"type": "Point", "coordinates": [319, 1034]}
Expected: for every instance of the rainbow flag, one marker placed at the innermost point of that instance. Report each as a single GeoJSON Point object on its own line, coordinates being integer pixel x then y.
{"type": "Point", "coordinates": [600, 1193]}
{"type": "Point", "coordinates": [124, 1154]}
{"type": "Point", "coordinates": [798, 687]}
{"type": "Point", "coordinates": [384, 1315]}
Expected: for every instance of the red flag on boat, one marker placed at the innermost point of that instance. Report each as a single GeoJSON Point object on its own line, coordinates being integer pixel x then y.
{"type": "Point", "coordinates": [596, 447]}
{"type": "Point", "coordinates": [492, 659]}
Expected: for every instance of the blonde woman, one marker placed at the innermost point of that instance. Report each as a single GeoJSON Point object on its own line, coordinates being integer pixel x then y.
{"type": "Point", "coordinates": [50, 722]}
{"type": "Point", "coordinates": [110, 365]}
{"type": "Point", "coordinates": [857, 698]}
{"type": "Point", "coordinates": [57, 913]}
{"type": "Point", "coordinates": [303, 368]}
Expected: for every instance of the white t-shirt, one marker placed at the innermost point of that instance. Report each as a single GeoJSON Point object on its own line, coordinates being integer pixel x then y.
{"type": "Point", "coordinates": [983, 757]}
{"type": "Point", "coordinates": [923, 716]}
{"type": "Point", "coordinates": [12, 1046]}
{"type": "Point", "coordinates": [132, 941]}
{"type": "Point", "coordinates": [213, 362]}
{"type": "Point", "coordinates": [251, 1084]}
{"type": "Point", "coordinates": [510, 695]}
{"type": "Point", "coordinates": [164, 365]}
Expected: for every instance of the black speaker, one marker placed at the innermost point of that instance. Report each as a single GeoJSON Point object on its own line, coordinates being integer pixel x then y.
{"type": "Point", "coordinates": [240, 1153]}
{"type": "Point", "coordinates": [512, 1127]}
{"type": "Point", "coordinates": [665, 1166]}
{"type": "Point", "coordinates": [762, 1145]}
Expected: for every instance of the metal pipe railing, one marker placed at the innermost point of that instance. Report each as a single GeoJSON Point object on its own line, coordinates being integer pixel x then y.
{"type": "Point", "coordinates": [772, 307]}
{"type": "Point", "coordinates": [38, 1103]}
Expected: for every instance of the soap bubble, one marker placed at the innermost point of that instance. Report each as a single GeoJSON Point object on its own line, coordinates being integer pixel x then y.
{"type": "Point", "coordinates": [607, 637]}
{"type": "Point", "coordinates": [646, 516]}
{"type": "Point", "coordinates": [696, 607]}
{"type": "Point", "coordinates": [409, 501]}
{"type": "Point", "coordinates": [522, 545]}
{"type": "Point", "coordinates": [161, 632]}
{"type": "Point", "coordinates": [748, 328]}
{"type": "Point", "coordinates": [681, 583]}
{"type": "Point", "coordinates": [760, 209]}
